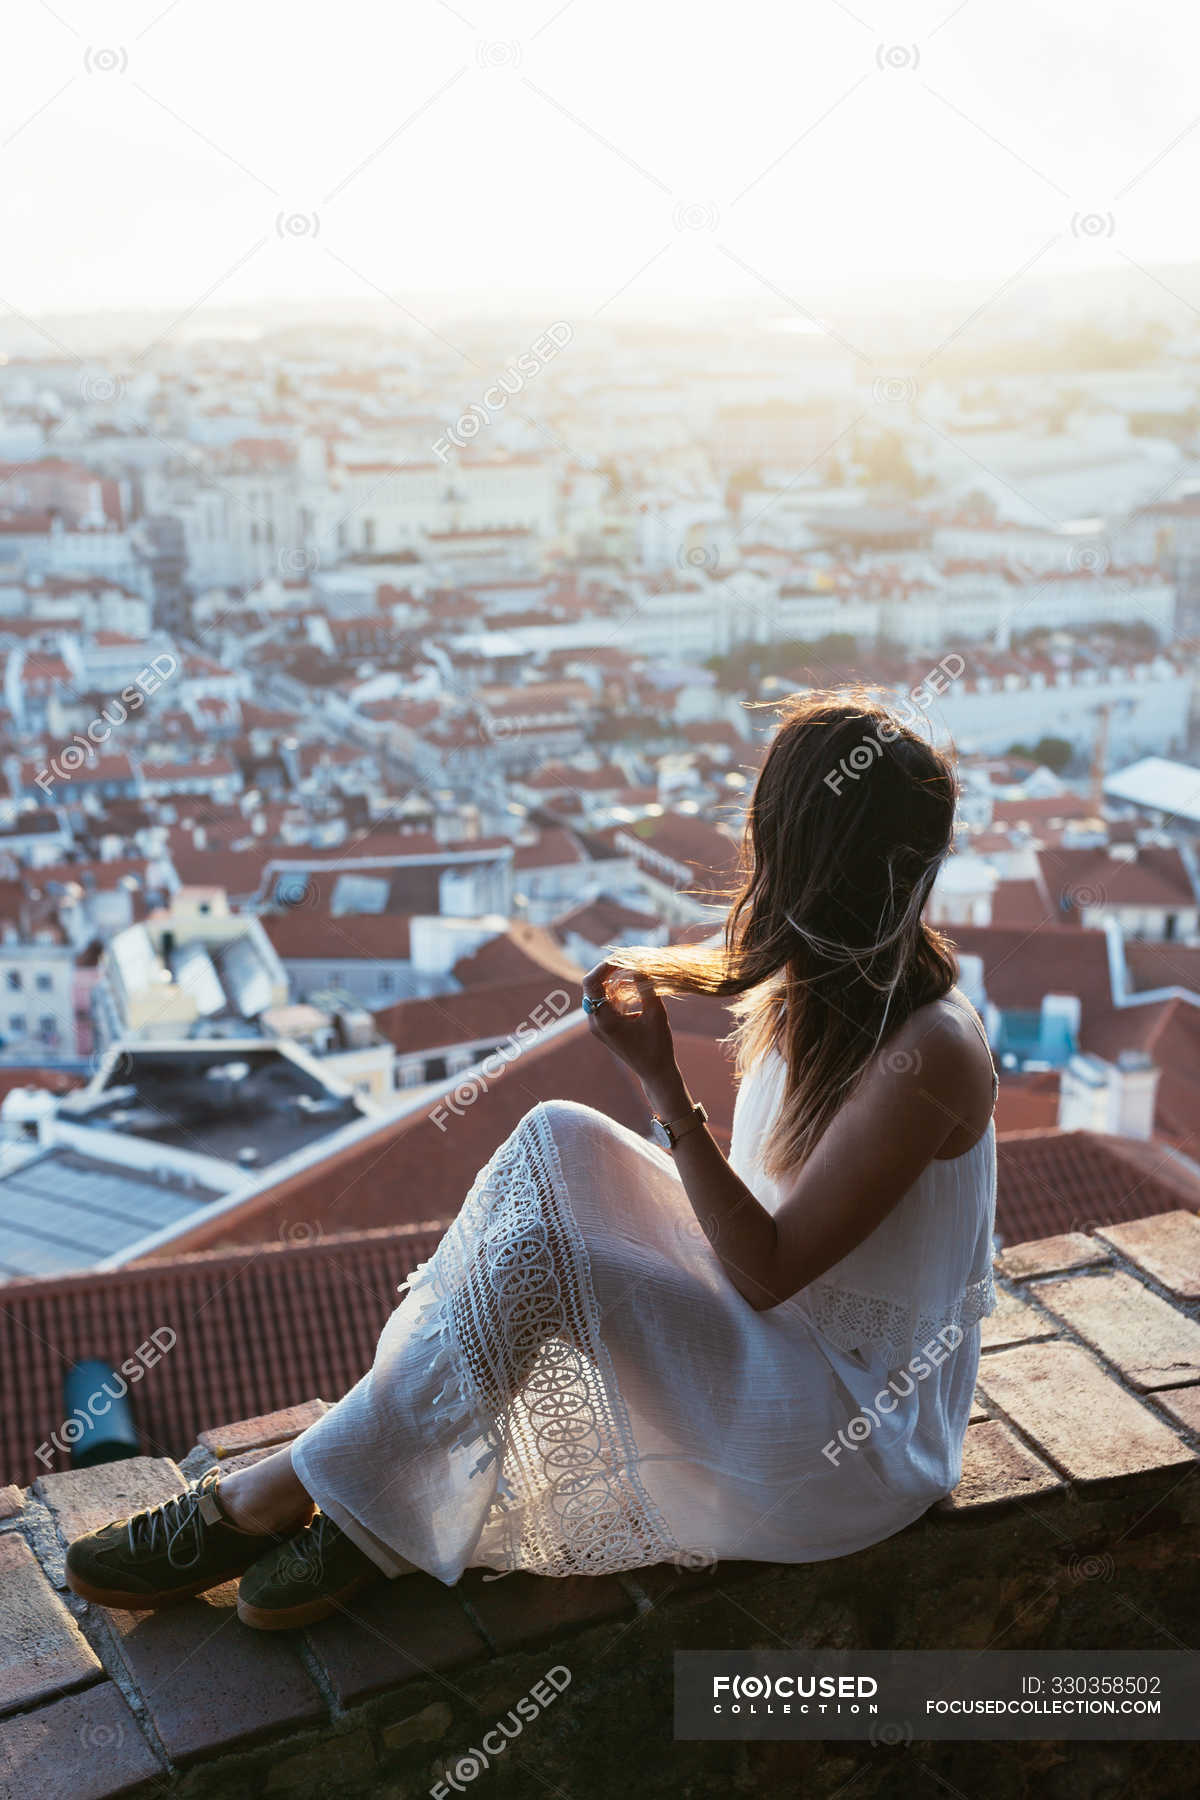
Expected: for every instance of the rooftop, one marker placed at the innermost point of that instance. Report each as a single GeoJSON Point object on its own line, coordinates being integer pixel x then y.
{"type": "Point", "coordinates": [313, 1304]}
{"type": "Point", "coordinates": [60, 1209]}
{"type": "Point", "coordinates": [219, 1100]}
{"type": "Point", "coordinates": [306, 934]}
{"type": "Point", "coordinates": [1051, 1181]}
{"type": "Point", "coordinates": [1074, 1523]}
{"type": "Point", "coordinates": [485, 1014]}
{"type": "Point", "coordinates": [155, 1139]}
{"type": "Point", "coordinates": [518, 953]}
{"type": "Point", "coordinates": [1159, 785]}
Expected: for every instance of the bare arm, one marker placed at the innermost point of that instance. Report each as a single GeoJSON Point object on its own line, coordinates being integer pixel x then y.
{"type": "Point", "coordinates": [905, 1108]}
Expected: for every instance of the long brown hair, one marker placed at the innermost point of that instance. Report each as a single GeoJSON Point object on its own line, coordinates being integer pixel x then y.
{"type": "Point", "coordinates": [825, 947]}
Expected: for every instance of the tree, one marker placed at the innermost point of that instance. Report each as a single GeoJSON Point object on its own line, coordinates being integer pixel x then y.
{"type": "Point", "coordinates": [884, 462]}
{"type": "Point", "coordinates": [742, 667]}
{"type": "Point", "coordinates": [1053, 753]}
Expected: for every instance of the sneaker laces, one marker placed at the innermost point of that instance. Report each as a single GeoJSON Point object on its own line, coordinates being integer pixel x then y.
{"type": "Point", "coordinates": [303, 1556]}
{"type": "Point", "coordinates": [180, 1524]}
{"type": "Point", "coordinates": [321, 1528]}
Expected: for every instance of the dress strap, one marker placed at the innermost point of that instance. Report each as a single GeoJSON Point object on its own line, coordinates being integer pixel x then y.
{"type": "Point", "coordinates": [964, 1005]}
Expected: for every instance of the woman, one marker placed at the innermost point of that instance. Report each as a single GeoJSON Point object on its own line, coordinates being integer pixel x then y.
{"type": "Point", "coordinates": [625, 1352]}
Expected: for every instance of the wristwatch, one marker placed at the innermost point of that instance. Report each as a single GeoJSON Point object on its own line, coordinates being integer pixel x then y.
{"type": "Point", "coordinates": [668, 1132]}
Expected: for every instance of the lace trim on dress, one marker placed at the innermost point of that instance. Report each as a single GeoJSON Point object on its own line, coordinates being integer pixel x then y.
{"type": "Point", "coordinates": [514, 1315]}
{"type": "Point", "coordinates": [895, 1330]}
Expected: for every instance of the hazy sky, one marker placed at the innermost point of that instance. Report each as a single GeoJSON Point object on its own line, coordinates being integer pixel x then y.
{"type": "Point", "coordinates": [204, 150]}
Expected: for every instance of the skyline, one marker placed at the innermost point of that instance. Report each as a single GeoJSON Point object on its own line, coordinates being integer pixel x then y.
{"type": "Point", "coordinates": [519, 150]}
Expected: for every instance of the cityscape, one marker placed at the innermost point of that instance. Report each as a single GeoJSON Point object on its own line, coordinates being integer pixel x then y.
{"type": "Point", "coordinates": [376, 661]}
{"type": "Point", "coordinates": [349, 720]}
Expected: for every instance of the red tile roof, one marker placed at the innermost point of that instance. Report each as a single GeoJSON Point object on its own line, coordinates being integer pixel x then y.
{"type": "Point", "coordinates": [373, 844]}
{"type": "Point", "coordinates": [563, 775]}
{"type": "Point", "coordinates": [1022, 903]}
{"type": "Point", "coordinates": [600, 920]}
{"type": "Point", "coordinates": [104, 768]}
{"type": "Point", "coordinates": [11, 627]}
{"type": "Point", "coordinates": [101, 875]}
{"type": "Point", "coordinates": [552, 849]}
{"type": "Point", "coordinates": [1049, 1182]}
{"type": "Point", "coordinates": [478, 1015]}
{"type": "Point", "coordinates": [1052, 809]}
{"type": "Point", "coordinates": [714, 731]}
{"type": "Point", "coordinates": [1169, 1032]}
{"type": "Point", "coordinates": [239, 872]}
{"type": "Point", "coordinates": [416, 714]}
{"type": "Point", "coordinates": [257, 1328]}
{"type": "Point", "coordinates": [303, 934]}
{"type": "Point", "coordinates": [520, 952]}
{"type": "Point", "coordinates": [1020, 966]}
{"type": "Point", "coordinates": [1157, 877]}
{"type": "Point", "coordinates": [267, 718]}
{"type": "Point", "coordinates": [1163, 965]}
{"type": "Point", "coordinates": [1028, 1102]}
{"type": "Point", "coordinates": [55, 1081]}
{"type": "Point", "coordinates": [709, 853]}
{"type": "Point", "coordinates": [209, 768]}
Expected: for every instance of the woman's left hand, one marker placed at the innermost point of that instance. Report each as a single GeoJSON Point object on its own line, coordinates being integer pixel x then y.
{"type": "Point", "coordinates": [642, 1040]}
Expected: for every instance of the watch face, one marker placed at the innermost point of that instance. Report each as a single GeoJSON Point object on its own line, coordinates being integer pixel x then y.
{"type": "Point", "coordinates": [660, 1134]}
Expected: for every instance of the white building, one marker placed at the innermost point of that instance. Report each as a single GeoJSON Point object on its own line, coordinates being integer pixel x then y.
{"type": "Point", "coordinates": [1147, 705]}
{"type": "Point", "coordinates": [1095, 1095]}
{"type": "Point", "coordinates": [189, 971]}
{"type": "Point", "coordinates": [963, 890]}
{"type": "Point", "coordinates": [993, 605]}
{"type": "Point", "coordinates": [37, 1011]}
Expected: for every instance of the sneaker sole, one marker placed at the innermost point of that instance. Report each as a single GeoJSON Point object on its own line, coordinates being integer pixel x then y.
{"type": "Point", "coordinates": [288, 1618]}
{"type": "Point", "coordinates": [121, 1601]}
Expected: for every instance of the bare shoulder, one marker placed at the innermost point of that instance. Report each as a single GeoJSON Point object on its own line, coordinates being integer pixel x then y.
{"type": "Point", "coordinates": [943, 1036]}
{"type": "Point", "coordinates": [945, 1045]}
{"type": "Point", "coordinates": [946, 1023]}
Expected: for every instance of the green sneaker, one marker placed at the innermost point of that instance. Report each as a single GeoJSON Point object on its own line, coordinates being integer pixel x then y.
{"type": "Point", "coordinates": [303, 1579]}
{"type": "Point", "coordinates": [164, 1554]}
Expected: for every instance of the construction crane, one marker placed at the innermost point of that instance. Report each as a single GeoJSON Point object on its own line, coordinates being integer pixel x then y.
{"type": "Point", "coordinates": [1099, 767]}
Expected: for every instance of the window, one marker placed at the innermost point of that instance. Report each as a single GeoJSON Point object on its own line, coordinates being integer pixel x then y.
{"type": "Point", "coordinates": [48, 1028]}
{"type": "Point", "coordinates": [17, 1024]}
{"type": "Point", "coordinates": [44, 983]}
{"type": "Point", "coordinates": [13, 978]}
{"type": "Point", "coordinates": [387, 981]}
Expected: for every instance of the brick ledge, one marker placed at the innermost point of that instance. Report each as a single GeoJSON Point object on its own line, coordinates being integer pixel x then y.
{"type": "Point", "coordinates": [1078, 1483]}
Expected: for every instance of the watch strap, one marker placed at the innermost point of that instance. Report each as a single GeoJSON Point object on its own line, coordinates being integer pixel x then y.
{"type": "Point", "coordinates": [695, 1116]}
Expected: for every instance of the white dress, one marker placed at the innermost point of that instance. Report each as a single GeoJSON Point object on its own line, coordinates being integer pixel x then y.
{"type": "Point", "coordinates": [572, 1385]}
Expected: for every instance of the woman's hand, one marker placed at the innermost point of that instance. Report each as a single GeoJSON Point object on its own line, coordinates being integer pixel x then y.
{"type": "Point", "coordinates": [642, 1039]}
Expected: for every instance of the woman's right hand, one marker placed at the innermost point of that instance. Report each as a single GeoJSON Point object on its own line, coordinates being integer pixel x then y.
{"type": "Point", "coordinates": [632, 1022]}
